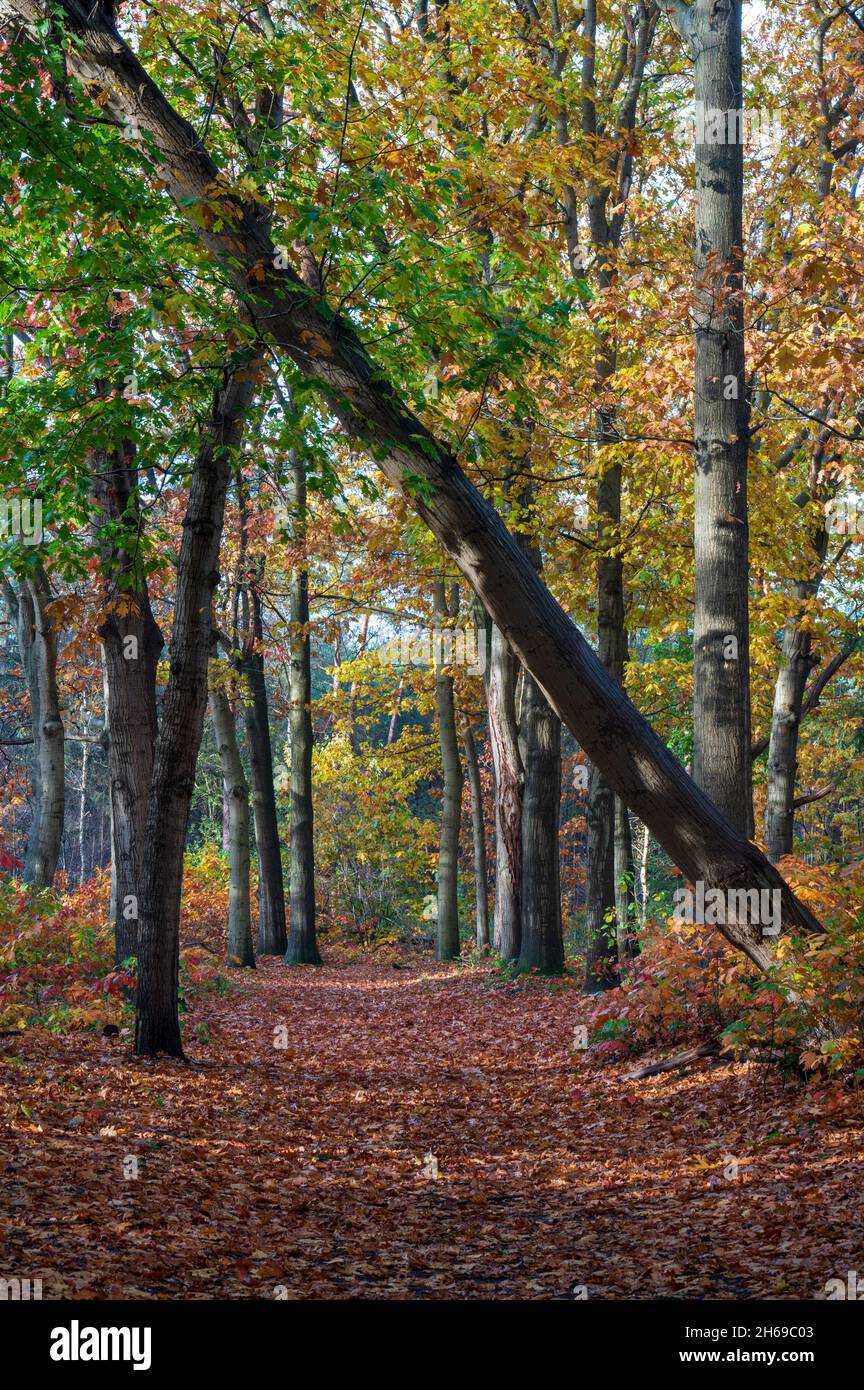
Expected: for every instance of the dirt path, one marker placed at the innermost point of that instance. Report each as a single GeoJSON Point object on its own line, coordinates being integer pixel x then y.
{"type": "Point", "coordinates": [310, 1169]}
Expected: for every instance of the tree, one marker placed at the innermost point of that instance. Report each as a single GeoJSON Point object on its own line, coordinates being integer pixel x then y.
{"type": "Point", "coordinates": [634, 761]}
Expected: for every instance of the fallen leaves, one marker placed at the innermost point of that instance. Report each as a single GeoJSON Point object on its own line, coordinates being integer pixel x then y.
{"type": "Point", "coordinates": [423, 1135]}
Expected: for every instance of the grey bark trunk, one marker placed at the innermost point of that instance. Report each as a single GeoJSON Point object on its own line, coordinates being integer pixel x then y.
{"type": "Point", "coordinates": [302, 942]}
{"type": "Point", "coordinates": [37, 646]}
{"type": "Point", "coordinates": [796, 662]}
{"type": "Point", "coordinates": [239, 950]}
{"type": "Point", "coordinates": [625, 900]}
{"type": "Point", "coordinates": [478, 831]}
{"type": "Point", "coordinates": [507, 763]}
{"type": "Point", "coordinates": [447, 933]}
{"type": "Point", "coordinates": [698, 837]}
{"type": "Point", "coordinates": [721, 643]}
{"type": "Point", "coordinates": [542, 944]}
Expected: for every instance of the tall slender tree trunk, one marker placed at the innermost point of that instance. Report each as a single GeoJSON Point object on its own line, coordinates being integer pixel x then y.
{"type": "Point", "coordinates": [625, 899]}
{"type": "Point", "coordinates": [157, 1026]}
{"type": "Point", "coordinates": [796, 663]}
{"type": "Point", "coordinates": [503, 669]}
{"type": "Point", "coordinates": [132, 643]}
{"type": "Point", "coordinates": [542, 944]}
{"type": "Point", "coordinates": [447, 935]}
{"type": "Point", "coordinates": [721, 643]}
{"type": "Point", "coordinates": [239, 952]}
{"type": "Point", "coordinates": [302, 943]}
{"type": "Point", "coordinates": [699, 838]}
{"type": "Point", "coordinates": [478, 831]}
{"type": "Point", "coordinates": [37, 646]}
{"type": "Point", "coordinates": [272, 932]}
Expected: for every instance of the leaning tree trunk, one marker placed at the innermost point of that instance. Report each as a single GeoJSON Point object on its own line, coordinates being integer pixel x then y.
{"type": "Point", "coordinates": [302, 943]}
{"type": "Point", "coordinates": [721, 642]}
{"type": "Point", "coordinates": [132, 643]}
{"type": "Point", "coordinates": [478, 831]}
{"type": "Point", "coordinates": [239, 952]}
{"type": "Point", "coordinates": [37, 645]}
{"type": "Point", "coordinates": [507, 764]}
{"type": "Point", "coordinates": [157, 1025]}
{"type": "Point", "coordinates": [272, 934]}
{"type": "Point", "coordinates": [542, 946]}
{"type": "Point", "coordinates": [697, 836]}
{"type": "Point", "coordinates": [447, 933]}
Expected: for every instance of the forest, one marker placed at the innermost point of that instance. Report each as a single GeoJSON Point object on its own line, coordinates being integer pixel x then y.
{"type": "Point", "coordinates": [431, 665]}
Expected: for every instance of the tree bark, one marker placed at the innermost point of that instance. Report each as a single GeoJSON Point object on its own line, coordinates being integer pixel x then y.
{"type": "Point", "coordinates": [796, 663]}
{"type": "Point", "coordinates": [157, 1025]}
{"type": "Point", "coordinates": [447, 934]}
{"type": "Point", "coordinates": [132, 643]}
{"type": "Point", "coordinates": [302, 942]}
{"type": "Point", "coordinates": [272, 932]}
{"type": "Point", "coordinates": [37, 646]}
{"type": "Point", "coordinates": [478, 831]}
{"type": "Point", "coordinates": [625, 899]}
{"type": "Point", "coordinates": [698, 837]}
{"type": "Point", "coordinates": [507, 763]}
{"type": "Point", "coordinates": [542, 944]}
{"type": "Point", "coordinates": [239, 952]}
{"type": "Point", "coordinates": [721, 642]}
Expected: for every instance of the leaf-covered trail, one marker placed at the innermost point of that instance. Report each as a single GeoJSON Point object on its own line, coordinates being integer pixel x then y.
{"type": "Point", "coordinates": [312, 1167]}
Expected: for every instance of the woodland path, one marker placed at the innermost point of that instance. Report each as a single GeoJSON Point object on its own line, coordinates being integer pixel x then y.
{"type": "Point", "coordinates": [306, 1167]}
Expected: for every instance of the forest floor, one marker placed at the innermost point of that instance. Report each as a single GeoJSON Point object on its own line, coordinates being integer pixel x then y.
{"type": "Point", "coordinates": [428, 1131]}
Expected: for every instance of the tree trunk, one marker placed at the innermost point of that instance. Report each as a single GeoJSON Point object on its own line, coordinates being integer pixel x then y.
{"type": "Point", "coordinates": [37, 646]}
{"type": "Point", "coordinates": [240, 952]}
{"type": "Point", "coordinates": [447, 935]}
{"type": "Point", "coordinates": [625, 901]}
{"type": "Point", "coordinates": [132, 643]}
{"type": "Point", "coordinates": [157, 1027]}
{"type": "Point", "coordinates": [302, 943]}
{"type": "Point", "coordinates": [507, 762]}
{"type": "Point", "coordinates": [721, 643]}
{"type": "Point", "coordinates": [796, 662]}
{"type": "Point", "coordinates": [542, 945]}
{"type": "Point", "coordinates": [272, 933]}
{"type": "Point", "coordinates": [478, 830]}
{"type": "Point", "coordinates": [601, 955]}
{"type": "Point", "coordinates": [698, 837]}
